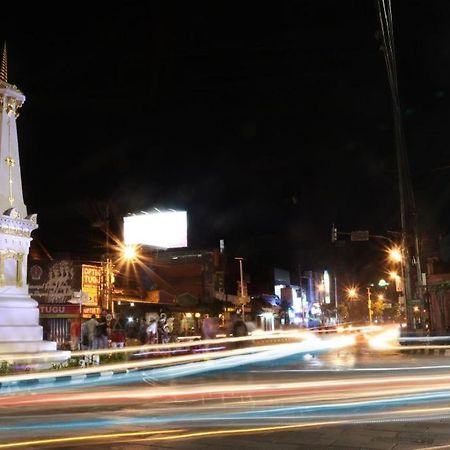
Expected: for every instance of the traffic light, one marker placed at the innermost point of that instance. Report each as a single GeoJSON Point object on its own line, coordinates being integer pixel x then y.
{"type": "Point", "coordinates": [333, 234]}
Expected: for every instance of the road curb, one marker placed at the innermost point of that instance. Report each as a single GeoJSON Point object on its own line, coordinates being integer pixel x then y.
{"type": "Point", "coordinates": [61, 378]}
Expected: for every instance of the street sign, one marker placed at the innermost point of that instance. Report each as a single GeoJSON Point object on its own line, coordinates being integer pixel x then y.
{"type": "Point", "coordinates": [413, 301]}
{"type": "Point", "coordinates": [362, 235]}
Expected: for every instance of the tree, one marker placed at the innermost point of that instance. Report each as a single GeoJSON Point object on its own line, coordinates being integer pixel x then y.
{"type": "Point", "coordinates": [378, 308]}
{"type": "Point", "coordinates": [328, 311]}
{"type": "Point", "coordinates": [343, 312]}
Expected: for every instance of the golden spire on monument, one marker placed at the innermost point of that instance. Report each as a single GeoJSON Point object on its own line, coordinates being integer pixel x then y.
{"type": "Point", "coordinates": [11, 99]}
{"type": "Point", "coordinates": [4, 66]}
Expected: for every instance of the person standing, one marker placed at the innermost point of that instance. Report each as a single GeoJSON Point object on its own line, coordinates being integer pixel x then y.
{"type": "Point", "coordinates": [117, 332]}
{"type": "Point", "coordinates": [143, 332]}
{"type": "Point", "coordinates": [101, 334]}
{"type": "Point", "coordinates": [163, 329]}
{"type": "Point", "coordinates": [209, 327]}
{"type": "Point", "coordinates": [91, 329]}
{"type": "Point", "coordinates": [152, 332]}
{"type": "Point", "coordinates": [75, 330]}
{"type": "Point", "coordinates": [84, 338]}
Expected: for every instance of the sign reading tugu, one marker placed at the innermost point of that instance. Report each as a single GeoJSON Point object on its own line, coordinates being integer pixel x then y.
{"type": "Point", "coordinates": [58, 310]}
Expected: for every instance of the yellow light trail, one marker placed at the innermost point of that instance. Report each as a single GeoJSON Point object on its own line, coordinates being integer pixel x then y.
{"type": "Point", "coordinates": [133, 434]}
{"type": "Point", "coordinates": [245, 430]}
{"type": "Point", "coordinates": [85, 438]}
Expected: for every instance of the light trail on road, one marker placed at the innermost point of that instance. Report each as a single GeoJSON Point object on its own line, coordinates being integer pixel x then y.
{"type": "Point", "coordinates": [173, 367]}
{"type": "Point", "coordinates": [242, 391]}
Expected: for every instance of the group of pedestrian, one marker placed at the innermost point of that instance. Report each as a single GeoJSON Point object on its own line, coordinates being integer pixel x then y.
{"type": "Point", "coordinates": [156, 331]}
{"type": "Point", "coordinates": [94, 332]}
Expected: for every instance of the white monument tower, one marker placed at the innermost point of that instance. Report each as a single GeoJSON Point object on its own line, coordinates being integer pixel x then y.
{"type": "Point", "coordinates": [20, 332]}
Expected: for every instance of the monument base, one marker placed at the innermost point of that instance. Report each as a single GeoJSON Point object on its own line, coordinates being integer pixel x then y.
{"type": "Point", "coordinates": [32, 355]}
{"type": "Point", "coordinates": [21, 344]}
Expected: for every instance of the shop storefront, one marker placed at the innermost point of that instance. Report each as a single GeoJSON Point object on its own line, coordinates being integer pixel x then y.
{"type": "Point", "coordinates": [56, 321]}
{"type": "Point", "coordinates": [59, 287]}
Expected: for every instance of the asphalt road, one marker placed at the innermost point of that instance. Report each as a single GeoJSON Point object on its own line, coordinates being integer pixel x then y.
{"type": "Point", "coordinates": [342, 399]}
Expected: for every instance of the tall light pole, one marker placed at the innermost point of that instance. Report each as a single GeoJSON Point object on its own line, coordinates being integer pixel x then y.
{"type": "Point", "coordinates": [369, 304]}
{"type": "Point", "coordinates": [336, 299]}
{"type": "Point", "coordinates": [108, 280]}
{"type": "Point", "coordinates": [300, 278]}
{"type": "Point", "coordinates": [240, 259]}
{"type": "Point", "coordinates": [107, 265]}
{"type": "Point", "coordinates": [108, 262]}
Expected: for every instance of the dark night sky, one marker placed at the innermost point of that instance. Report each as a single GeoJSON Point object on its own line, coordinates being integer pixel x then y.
{"type": "Point", "coordinates": [266, 123]}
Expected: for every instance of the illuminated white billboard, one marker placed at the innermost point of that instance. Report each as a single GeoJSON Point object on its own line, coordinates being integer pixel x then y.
{"type": "Point", "coordinates": [157, 229]}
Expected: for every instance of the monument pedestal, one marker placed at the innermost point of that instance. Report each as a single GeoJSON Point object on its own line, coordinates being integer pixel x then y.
{"type": "Point", "coordinates": [21, 343]}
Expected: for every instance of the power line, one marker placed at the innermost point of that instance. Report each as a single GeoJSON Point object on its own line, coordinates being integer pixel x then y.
{"type": "Point", "coordinates": [408, 214]}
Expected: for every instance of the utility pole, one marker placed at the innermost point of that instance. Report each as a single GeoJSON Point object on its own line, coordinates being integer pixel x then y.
{"type": "Point", "coordinates": [336, 298]}
{"type": "Point", "coordinates": [408, 215]}
{"type": "Point", "coordinates": [301, 295]}
{"type": "Point", "coordinates": [107, 267]}
{"type": "Point", "coordinates": [240, 259]}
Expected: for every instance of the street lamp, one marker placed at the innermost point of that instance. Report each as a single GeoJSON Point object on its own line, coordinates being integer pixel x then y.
{"type": "Point", "coordinates": [402, 281]}
{"type": "Point", "coordinates": [129, 252]}
{"type": "Point", "coordinates": [352, 293]}
{"type": "Point", "coordinates": [240, 259]}
{"type": "Point", "coordinates": [127, 255]}
{"type": "Point", "coordinates": [395, 254]}
{"type": "Point", "coordinates": [393, 275]}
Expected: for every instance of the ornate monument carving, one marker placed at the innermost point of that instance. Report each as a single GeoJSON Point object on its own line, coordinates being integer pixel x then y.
{"type": "Point", "coordinates": [20, 332]}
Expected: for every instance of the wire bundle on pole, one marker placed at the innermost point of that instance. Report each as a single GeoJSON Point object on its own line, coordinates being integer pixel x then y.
{"type": "Point", "coordinates": [408, 216]}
